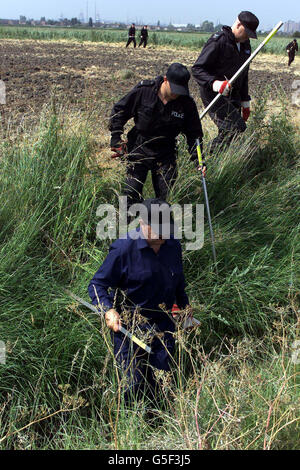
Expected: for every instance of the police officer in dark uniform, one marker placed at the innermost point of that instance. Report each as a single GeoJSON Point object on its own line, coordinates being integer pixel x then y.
{"type": "Point", "coordinates": [221, 57]}
{"type": "Point", "coordinates": [161, 109]}
{"type": "Point", "coordinates": [144, 36]}
{"type": "Point", "coordinates": [131, 35]}
{"type": "Point", "coordinates": [291, 48]}
{"type": "Point", "coordinates": [147, 268]}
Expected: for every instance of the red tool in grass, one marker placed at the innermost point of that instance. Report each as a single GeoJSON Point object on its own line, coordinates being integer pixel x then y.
{"type": "Point", "coordinates": [189, 321]}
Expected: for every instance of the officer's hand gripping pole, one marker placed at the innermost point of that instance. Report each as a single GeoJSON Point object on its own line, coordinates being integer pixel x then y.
{"type": "Point", "coordinates": [201, 164]}
{"type": "Point", "coordinates": [237, 74]}
{"type": "Point", "coordinates": [123, 330]}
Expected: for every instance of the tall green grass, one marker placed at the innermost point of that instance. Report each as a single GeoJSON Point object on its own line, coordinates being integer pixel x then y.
{"type": "Point", "coordinates": [233, 384]}
{"type": "Point", "coordinates": [173, 39]}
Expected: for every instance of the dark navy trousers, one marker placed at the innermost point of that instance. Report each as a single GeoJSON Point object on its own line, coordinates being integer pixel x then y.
{"type": "Point", "coordinates": [138, 366]}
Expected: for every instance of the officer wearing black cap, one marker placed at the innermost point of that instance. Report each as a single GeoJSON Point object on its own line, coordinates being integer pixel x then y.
{"type": "Point", "coordinates": [221, 57]}
{"type": "Point", "coordinates": [161, 109]}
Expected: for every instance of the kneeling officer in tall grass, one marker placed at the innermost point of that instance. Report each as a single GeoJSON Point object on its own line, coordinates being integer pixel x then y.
{"type": "Point", "coordinates": [146, 267]}
{"type": "Point", "coordinates": [161, 109]}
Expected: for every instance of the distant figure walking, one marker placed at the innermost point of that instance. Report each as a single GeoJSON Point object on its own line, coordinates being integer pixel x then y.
{"type": "Point", "coordinates": [144, 36]}
{"type": "Point", "coordinates": [131, 35]}
{"type": "Point", "coordinates": [291, 48]}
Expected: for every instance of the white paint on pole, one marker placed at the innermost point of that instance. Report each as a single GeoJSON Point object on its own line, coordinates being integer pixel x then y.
{"type": "Point", "coordinates": [2, 352]}
{"type": "Point", "coordinates": [2, 92]}
{"type": "Point", "coordinates": [296, 93]}
{"type": "Point", "coordinates": [296, 352]}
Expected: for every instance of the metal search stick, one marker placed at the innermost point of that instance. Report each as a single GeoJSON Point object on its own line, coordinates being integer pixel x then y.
{"type": "Point", "coordinates": [206, 202]}
{"type": "Point", "coordinates": [235, 76]}
{"type": "Point", "coordinates": [95, 310]}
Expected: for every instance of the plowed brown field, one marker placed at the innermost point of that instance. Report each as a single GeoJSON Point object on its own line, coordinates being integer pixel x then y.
{"type": "Point", "coordinates": [82, 74]}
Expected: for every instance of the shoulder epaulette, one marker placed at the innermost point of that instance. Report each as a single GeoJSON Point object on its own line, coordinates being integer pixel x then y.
{"type": "Point", "coordinates": [146, 83]}
{"type": "Point", "coordinates": [217, 36]}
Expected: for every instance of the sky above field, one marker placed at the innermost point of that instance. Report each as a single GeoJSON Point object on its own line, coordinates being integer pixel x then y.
{"type": "Point", "coordinates": [269, 12]}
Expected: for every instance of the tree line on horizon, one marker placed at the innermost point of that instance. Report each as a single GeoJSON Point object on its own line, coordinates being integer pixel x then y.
{"type": "Point", "coordinates": [205, 27]}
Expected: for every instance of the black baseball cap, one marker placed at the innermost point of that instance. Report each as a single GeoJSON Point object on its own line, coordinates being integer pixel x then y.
{"type": "Point", "coordinates": [250, 23]}
{"type": "Point", "coordinates": [178, 77]}
{"type": "Point", "coordinates": [159, 216]}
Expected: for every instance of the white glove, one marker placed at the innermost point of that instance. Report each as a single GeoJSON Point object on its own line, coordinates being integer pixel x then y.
{"type": "Point", "coordinates": [245, 110]}
{"type": "Point", "coordinates": [245, 104]}
{"type": "Point", "coordinates": [222, 87]}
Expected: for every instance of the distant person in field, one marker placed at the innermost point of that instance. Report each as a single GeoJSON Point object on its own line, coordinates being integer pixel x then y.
{"type": "Point", "coordinates": [131, 35]}
{"type": "Point", "coordinates": [161, 109]}
{"type": "Point", "coordinates": [144, 36]}
{"type": "Point", "coordinates": [221, 57]}
{"type": "Point", "coordinates": [291, 49]}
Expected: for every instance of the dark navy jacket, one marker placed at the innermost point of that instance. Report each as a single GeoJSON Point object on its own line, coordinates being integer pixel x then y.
{"type": "Point", "coordinates": [220, 59]}
{"type": "Point", "coordinates": [292, 47]}
{"type": "Point", "coordinates": [131, 32]}
{"type": "Point", "coordinates": [144, 33]}
{"type": "Point", "coordinates": [147, 279]}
